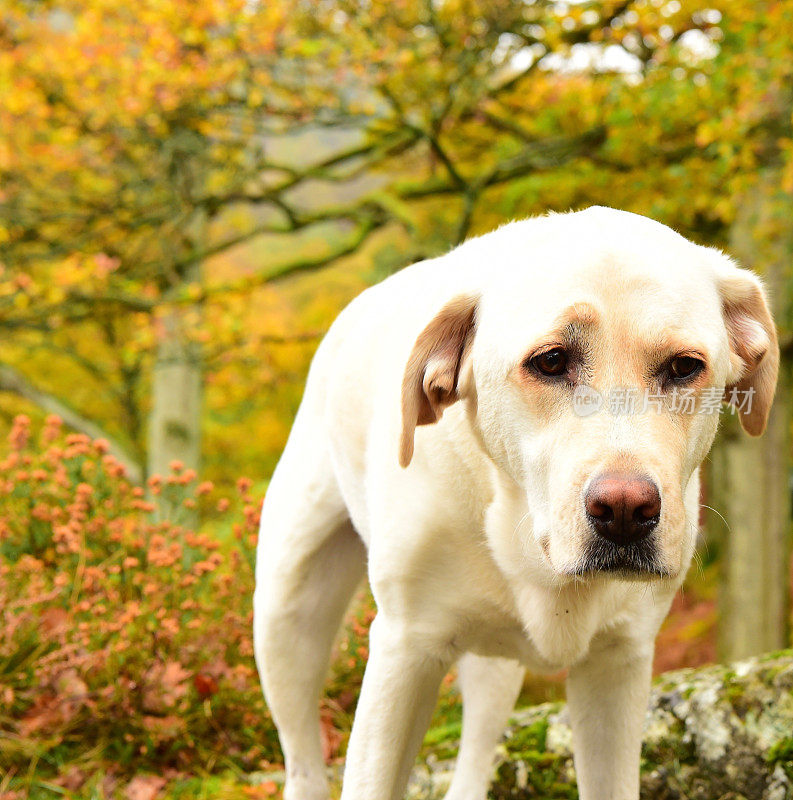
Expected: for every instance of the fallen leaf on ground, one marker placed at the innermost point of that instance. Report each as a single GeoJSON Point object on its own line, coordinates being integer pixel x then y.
{"type": "Point", "coordinates": [72, 779]}
{"type": "Point", "coordinates": [144, 787]}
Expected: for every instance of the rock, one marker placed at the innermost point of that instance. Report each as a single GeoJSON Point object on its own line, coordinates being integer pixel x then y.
{"type": "Point", "coordinates": [714, 733]}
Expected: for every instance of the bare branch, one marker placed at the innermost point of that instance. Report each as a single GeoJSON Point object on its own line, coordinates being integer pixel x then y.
{"type": "Point", "coordinates": [540, 156]}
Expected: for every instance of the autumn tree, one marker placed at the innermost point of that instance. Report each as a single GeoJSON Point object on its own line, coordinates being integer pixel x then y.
{"type": "Point", "coordinates": [129, 135]}
{"type": "Point", "coordinates": [126, 136]}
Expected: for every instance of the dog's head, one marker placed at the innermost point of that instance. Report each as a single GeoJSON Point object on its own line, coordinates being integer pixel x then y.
{"type": "Point", "coordinates": [594, 378]}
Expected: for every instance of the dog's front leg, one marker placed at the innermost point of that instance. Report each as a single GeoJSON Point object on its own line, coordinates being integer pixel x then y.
{"type": "Point", "coordinates": [607, 695]}
{"type": "Point", "coordinates": [400, 688]}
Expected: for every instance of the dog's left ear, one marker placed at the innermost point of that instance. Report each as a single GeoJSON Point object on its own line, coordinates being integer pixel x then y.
{"type": "Point", "coordinates": [754, 351]}
{"type": "Point", "coordinates": [432, 376]}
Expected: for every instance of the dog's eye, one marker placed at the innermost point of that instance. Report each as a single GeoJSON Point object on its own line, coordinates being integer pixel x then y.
{"type": "Point", "coordinates": [684, 367]}
{"type": "Point", "coordinates": [551, 363]}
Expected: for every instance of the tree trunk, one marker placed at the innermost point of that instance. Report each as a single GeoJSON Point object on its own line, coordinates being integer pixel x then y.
{"type": "Point", "coordinates": [175, 420]}
{"type": "Point", "coordinates": [177, 385]}
{"type": "Point", "coordinates": [714, 732]}
{"type": "Point", "coordinates": [749, 478]}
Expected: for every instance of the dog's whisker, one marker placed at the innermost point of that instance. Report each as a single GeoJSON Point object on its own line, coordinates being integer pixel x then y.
{"type": "Point", "coordinates": [520, 524]}
{"type": "Point", "coordinates": [718, 514]}
{"type": "Point", "coordinates": [698, 562]}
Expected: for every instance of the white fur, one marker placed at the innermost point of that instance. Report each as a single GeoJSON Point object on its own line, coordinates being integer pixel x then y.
{"type": "Point", "coordinates": [466, 548]}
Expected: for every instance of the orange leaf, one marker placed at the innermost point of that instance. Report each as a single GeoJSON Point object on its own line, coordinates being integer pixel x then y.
{"type": "Point", "coordinates": [266, 789]}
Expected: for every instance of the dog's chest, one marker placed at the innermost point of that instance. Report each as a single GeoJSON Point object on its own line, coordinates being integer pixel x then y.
{"type": "Point", "coordinates": [550, 640]}
{"type": "Point", "coordinates": [550, 629]}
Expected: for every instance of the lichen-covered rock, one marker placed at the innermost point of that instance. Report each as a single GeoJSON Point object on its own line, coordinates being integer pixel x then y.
{"type": "Point", "coordinates": [714, 732]}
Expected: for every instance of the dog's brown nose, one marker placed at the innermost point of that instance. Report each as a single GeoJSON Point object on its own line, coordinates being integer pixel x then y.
{"type": "Point", "coordinates": [622, 507]}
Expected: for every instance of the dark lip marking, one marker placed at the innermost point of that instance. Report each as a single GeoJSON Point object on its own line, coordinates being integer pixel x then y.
{"type": "Point", "coordinates": [626, 561]}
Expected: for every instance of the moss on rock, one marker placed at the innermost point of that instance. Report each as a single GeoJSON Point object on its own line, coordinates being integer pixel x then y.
{"type": "Point", "coordinates": [713, 733]}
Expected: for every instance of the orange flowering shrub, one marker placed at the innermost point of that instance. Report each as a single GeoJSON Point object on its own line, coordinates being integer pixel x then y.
{"type": "Point", "coordinates": [346, 676]}
{"type": "Point", "coordinates": [124, 636]}
{"type": "Point", "coordinates": [352, 652]}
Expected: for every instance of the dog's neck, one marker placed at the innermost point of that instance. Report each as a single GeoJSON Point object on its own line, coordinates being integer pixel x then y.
{"type": "Point", "coordinates": [561, 615]}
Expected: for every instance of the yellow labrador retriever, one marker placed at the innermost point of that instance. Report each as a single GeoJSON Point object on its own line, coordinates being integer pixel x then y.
{"type": "Point", "coordinates": [507, 438]}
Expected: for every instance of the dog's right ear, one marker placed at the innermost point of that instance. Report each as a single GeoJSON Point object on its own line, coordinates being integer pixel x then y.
{"type": "Point", "coordinates": [431, 381]}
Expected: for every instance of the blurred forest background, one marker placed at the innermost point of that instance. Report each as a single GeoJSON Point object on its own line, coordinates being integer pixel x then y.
{"type": "Point", "coordinates": [189, 193]}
